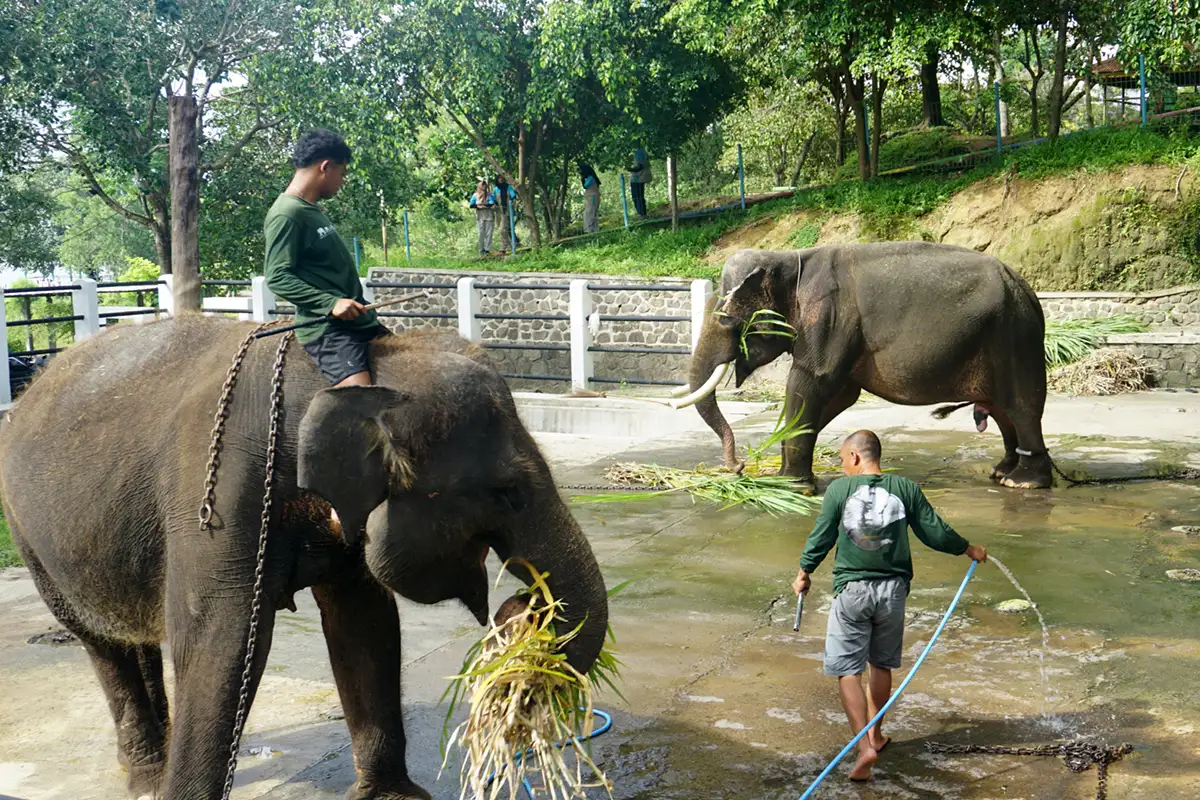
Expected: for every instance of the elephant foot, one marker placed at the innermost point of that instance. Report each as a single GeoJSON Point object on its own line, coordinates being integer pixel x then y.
{"type": "Point", "coordinates": [1005, 466]}
{"type": "Point", "coordinates": [1024, 477]}
{"type": "Point", "coordinates": [146, 772]}
{"type": "Point", "coordinates": [404, 790]}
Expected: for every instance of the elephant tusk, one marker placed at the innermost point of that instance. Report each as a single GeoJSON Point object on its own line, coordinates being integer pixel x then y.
{"type": "Point", "coordinates": [681, 391]}
{"type": "Point", "coordinates": [705, 390]}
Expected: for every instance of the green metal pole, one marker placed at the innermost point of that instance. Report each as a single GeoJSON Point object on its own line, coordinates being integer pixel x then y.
{"type": "Point", "coordinates": [1142, 71]}
{"type": "Point", "coordinates": [356, 254]}
{"type": "Point", "coordinates": [742, 177]}
{"type": "Point", "coordinates": [407, 243]}
{"type": "Point", "coordinates": [512, 227]}
{"type": "Point", "coordinates": [999, 133]}
{"type": "Point", "coordinates": [624, 202]}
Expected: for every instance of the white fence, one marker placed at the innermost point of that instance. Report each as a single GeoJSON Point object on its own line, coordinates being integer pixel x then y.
{"type": "Point", "coordinates": [255, 302]}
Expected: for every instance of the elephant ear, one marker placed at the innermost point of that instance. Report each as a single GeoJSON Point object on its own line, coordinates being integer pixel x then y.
{"type": "Point", "coordinates": [346, 453]}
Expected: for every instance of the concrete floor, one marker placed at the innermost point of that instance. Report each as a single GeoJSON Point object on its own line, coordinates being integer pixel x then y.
{"type": "Point", "coordinates": [722, 700]}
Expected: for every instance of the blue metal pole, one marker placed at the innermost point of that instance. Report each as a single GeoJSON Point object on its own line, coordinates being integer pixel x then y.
{"type": "Point", "coordinates": [999, 133]}
{"type": "Point", "coordinates": [742, 177]}
{"type": "Point", "coordinates": [624, 202]}
{"type": "Point", "coordinates": [356, 254]}
{"type": "Point", "coordinates": [1142, 72]}
{"type": "Point", "coordinates": [512, 226]}
{"type": "Point", "coordinates": [896, 694]}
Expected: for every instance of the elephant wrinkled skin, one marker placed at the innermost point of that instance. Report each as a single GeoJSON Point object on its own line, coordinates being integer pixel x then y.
{"type": "Point", "coordinates": [911, 322]}
{"type": "Point", "coordinates": [102, 471]}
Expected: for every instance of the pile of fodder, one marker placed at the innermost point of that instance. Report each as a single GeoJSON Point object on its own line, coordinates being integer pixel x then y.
{"type": "Point", "coordinates": [1102, 372]}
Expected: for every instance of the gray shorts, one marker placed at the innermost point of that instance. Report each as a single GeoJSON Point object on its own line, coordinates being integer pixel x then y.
{"type": "Point", "coordinates": [866, 624]}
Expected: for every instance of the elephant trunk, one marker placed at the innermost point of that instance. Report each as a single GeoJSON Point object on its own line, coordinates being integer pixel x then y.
{"type": "Point", "coordinates": [553, 543]}
{"type": "Point", "coordinates": [704, 364]}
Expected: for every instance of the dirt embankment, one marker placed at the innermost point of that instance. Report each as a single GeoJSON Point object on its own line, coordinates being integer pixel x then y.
{"type": "Point", "coordinates": [1126, 229]}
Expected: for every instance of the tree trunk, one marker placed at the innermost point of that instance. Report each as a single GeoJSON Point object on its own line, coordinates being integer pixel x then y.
{"type": "Point", "coordinates": [1000, 77]}
{"type": "Point", "coordinates": [878, 87]}
{"type": "Point", "coordinates": [854, 94]}
{"type": "Point", "coordinates": [931, 92]}
{"type": "Point", "coordinates": [526, 172]}
{"type": "Point", "coordinates": [1034, 122]}
{"type": "Point", "coordinates": [1059, 76]}
{"type": "Point", "coordinates": [840, 141]}
{"type": "Point", "coordinates": [812, 137]}
{"type": "Point", "coordinates": [185, 203]}
{"type": "Point", "coordinates": [673, 190]}
{"type": "Point", "coordinates": [162, 247]}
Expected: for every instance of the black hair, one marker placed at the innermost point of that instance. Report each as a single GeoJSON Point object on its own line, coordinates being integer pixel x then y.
{"type": "Point", "coordinates": [320, 145]}
{"type": "Point", "coordinates": [586, 171]}
{"type": "Point", "coordinates": [866, 444]}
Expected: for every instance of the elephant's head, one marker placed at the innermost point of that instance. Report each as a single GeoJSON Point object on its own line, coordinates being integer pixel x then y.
{"type": "Point", "coordinates": [748, 326]}
{"type": "Point", "coordinates": [434, 468]}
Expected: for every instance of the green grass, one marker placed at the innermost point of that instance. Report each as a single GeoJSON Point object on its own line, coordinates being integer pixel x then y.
{"type": "Point", "coordinates": [9, 557]}
{"type": "Point", "coordinates": [1067, 341]}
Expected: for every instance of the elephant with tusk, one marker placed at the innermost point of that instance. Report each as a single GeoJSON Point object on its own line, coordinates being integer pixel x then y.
{"type": "Point", "coordinates": [102, 475]}
{"type": "Point", "coordinates": [912, 322]}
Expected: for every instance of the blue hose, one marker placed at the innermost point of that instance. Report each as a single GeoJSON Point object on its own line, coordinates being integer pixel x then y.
{"type": "Point", "coordinates": [604, 715]}
{"type": "Point", "coordinates": [896, 694]}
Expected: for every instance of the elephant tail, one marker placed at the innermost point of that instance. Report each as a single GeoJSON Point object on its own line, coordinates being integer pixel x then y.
{"type": "Point", "coordinates": [941, 412]}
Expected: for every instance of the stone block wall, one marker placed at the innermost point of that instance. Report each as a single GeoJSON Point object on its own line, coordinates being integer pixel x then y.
{"type": "Point", "coordinates": [1173, 358]}
{"type": "Point", "coordinates": [552, 301]}
{"type": "Point", "coordinates": [1170, 308]}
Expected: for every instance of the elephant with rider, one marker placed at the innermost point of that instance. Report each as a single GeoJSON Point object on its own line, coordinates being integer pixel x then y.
{"type": "Point", "coordinates": [914, 323]}
{"type": "Point", "coordinates": [103, 465]}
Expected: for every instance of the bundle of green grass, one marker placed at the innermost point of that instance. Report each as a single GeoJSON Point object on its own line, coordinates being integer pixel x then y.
{"type": "Point", "coordinates": [529, 711]}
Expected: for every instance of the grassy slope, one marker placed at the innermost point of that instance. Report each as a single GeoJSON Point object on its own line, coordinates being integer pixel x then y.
{"type": "Point", "coordinates": [884, 205]}
{"type": "Point", "coordinates": [8, 552]}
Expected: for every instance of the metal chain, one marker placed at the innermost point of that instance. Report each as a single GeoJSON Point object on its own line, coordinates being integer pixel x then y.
{"type": "Point", "coordinates": [1184, 474]}
{"type": "Point", "coordinates": [259, 567]}
{"type": "Point", "coordinates": [1078, 756]}
{"type": "Point", "coordinates": [214, 447]}
{"type": "Point", "coordinates": [608, 487]}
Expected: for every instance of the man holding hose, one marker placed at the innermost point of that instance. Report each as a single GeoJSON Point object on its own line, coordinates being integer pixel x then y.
{"type": "Point", "coordinates": [867, 514]}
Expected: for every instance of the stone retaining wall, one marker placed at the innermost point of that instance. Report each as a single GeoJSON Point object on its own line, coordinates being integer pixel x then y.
{"type": "Point", "coordinates": [1173, 358]}
{"type": "Point", "coordinates": [1170, 308]}
{"type": "Point", "coordinates": [553, 301]}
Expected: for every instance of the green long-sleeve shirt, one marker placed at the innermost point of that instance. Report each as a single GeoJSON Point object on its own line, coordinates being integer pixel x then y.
{"type": "Point", "coordinates": [308, 265]}
{"type": "Point", "coordinates": [868, 517]}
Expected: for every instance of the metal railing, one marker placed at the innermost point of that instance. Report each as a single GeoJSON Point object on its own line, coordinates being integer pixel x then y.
{"type": "Point", "coordinates": [577, 329]}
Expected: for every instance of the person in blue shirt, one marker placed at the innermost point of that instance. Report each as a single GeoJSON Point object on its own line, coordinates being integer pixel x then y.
{"type": "Point", "coordinates": [591, 198]}
{"type": "Point", "coordinates": [503, 195]}
{"type": "Point", "coordinates": [639, 176]}
{"type": "Point", "coordinates": [485, 216]}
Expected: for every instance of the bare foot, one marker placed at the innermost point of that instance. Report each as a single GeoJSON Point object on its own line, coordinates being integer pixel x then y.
{"type": "Point", "coordinates": [862, 767]}
{"type": "Point", "coordinates": [877, 744]}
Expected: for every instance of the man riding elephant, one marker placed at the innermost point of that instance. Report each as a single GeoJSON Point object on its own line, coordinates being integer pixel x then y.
{"type": "Point", "coordinates": [428, 470]}
{"type": "Point", "coordinates": [911, 322]}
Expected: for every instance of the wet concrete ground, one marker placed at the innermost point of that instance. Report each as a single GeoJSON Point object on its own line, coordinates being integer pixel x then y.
{"type": "Point", "coordinates": [721, 699]}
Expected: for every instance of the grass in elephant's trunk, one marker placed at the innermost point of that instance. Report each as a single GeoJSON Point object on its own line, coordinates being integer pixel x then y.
{"type": "Point", "coordinates": [528, 708]}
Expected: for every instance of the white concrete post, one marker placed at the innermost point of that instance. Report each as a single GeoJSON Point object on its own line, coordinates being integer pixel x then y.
{"type": "Point", "coordinates": [5, 386]}
{"type": "Point", "coordinates": [469, 327]}
{"type": "Point", "coordinates": [368, 292]}
{"type": "Point", "coordinates": [702, 292]}
{"type": "Point", "coordinates": [85, 302]}
{"type": "Point", "coordinates": [166, 294]}
{"type": "Point", "coordinates": [580, 302]}
{"type": "Point", "coordinates": [262, 300]}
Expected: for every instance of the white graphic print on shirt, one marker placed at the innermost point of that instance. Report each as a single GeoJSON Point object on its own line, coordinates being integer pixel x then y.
{"type": "Point", "coordinates": [868, 512]}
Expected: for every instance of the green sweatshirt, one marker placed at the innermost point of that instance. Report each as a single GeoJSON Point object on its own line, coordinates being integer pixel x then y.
{"type": "Point", "coordinates": [867, 516]}
{"type": "Point", "coordinates": [308, 265]}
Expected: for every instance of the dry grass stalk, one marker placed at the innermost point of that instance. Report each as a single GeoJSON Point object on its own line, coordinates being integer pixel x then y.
{"type": "Point", "coordinates": [528, 708]}
{"type": "Point", "coordinates": [1102, 372]}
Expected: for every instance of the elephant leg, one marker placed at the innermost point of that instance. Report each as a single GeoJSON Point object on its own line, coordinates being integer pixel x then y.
{"type": "Point", "coordinates": [141, 732]}
{"type": "Point", "coordinates": [815, 407]}
{"type": "Point", "coordinates": [1009, 432]}
{"type": "Point", "coordinates": [150, 661]}
{"type": "Point", "coordinates": [1033, 469]}
{"type": "Point", "coordinates": [362, 632]}
{"type": "Point", "coordinates": [208, 648]}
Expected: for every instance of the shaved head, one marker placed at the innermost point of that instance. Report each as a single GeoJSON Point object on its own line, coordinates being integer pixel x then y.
{"type": "Point", "coordinates": [860, 450]}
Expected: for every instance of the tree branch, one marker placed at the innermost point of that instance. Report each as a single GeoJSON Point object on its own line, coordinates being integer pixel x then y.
{"type": "Point", "coordinates": [233, 152]}
{"type": "Point", "coordinates": [89, 175]}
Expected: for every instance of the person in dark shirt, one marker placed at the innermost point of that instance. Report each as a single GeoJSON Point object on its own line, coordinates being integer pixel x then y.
{"type": "Point", "coordinates": [867, 514]}
{"type": "Point", "coordinates": [308, 264]}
